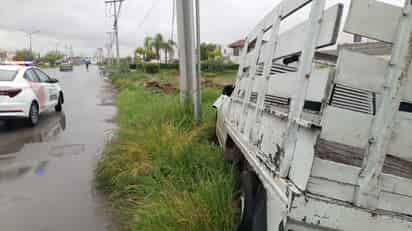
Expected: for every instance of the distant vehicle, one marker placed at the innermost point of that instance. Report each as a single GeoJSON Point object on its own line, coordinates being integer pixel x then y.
{"type": "Point", "coordinates": [26, 92]}
{"type": "Point", "coordinates": [66, 66]}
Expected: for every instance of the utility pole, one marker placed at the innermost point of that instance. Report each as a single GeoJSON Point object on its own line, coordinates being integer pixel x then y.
{"type": "Point", "coordinates": [116, 14]}
{"type": "Point", "coordinates": [29, 35]}
{"type": "Point", "coordinates": [199, 65]}
{"type": "Point", "coordinates": [190, 86]}
{"type": "Point", "coordinates": [57, 47]}
{"type": "Point", "coordinates": [109, 47]}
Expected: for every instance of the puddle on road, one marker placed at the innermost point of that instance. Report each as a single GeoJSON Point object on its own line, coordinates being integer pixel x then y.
{"type": "Point", "coordinates": [15, 135]}
{"type": "Point", "coordinates": [71, 149]}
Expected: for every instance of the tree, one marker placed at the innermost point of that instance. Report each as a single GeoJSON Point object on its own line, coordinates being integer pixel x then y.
{"type": "Point", "coordinates": [148, 49]}
{"type": "Point", "coordinates": [52, 57]}
{"type": "Point", "coordinates": [217, 53]}
{"type": "Point", "coordinates": [206, 49]}
{"type": "Point", "coordinates": [24, 55]}
{"type": "Point", "coordinates": [158, 44]}
{"type": "Point", "coordinates": [148, 43]}
{"type": "Point", "coordinates": [169, 49]}
{"type": "Point", "coordinates": [139, 54]}
{"type": "Point", "coordinates": [150, 55]}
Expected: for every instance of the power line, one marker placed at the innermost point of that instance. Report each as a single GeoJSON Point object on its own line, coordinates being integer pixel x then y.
{"type": "Point", "coordinates": [146, 16]}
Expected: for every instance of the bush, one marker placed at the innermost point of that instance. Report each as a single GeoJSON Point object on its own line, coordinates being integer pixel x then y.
{"type": "Point", "coordinates": [212, 66]}
{"type": "Point", "coordinates": [152, 68]}
{"type": "Point", "coordinates": [124, 67]}
{"type": "Point", "coordinates": [218, 65]}
{"type": "Point", "coordinates": [169, 66]}
{"type": "Point", "coordinates": [133, 66]}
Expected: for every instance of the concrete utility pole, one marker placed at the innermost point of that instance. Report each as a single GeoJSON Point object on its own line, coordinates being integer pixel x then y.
{"type": "Point", "coordinates": [116, 14]}
{"type": "Point", "coordinates": [57, 47]}
{"type": "Point", "coordinates": [109, 47]}
{"type": "Point", "coordinates": [190, 86]}
{"type": "Point", "coordinates": [30, 36]}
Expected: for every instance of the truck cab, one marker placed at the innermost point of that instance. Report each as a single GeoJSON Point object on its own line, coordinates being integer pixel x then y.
{"type": "Point", "coordinates": [321, 138]}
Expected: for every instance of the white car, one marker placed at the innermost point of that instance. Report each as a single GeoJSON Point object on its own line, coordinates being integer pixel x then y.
{"type": "Point", "coordinates": [26, 92]}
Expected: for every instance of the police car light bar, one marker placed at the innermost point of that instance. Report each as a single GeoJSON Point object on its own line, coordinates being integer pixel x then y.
{"type": "Point", "coordinates": [19, 63]}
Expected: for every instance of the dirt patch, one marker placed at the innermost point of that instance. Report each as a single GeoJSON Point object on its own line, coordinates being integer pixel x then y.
{"type": "Point", "coordinates": [168, 88]}
{"type": "Point", "coordinates": [212, 84]}
{"type": "Point", "coordinates": [157, 86]}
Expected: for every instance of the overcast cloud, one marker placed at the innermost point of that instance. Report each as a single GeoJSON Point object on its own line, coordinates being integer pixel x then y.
{"type": "Point", "coordinates": [84, 23]}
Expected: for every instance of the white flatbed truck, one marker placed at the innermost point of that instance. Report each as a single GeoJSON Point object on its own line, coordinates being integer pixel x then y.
{"type": "Point", "coordinates": [322, 146]}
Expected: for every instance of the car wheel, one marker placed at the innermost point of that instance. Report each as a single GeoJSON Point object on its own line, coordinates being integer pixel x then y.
{"type": "Point", "coordinates": [59, 107]}
{"type": "Point", "coordinates": [33, 115]}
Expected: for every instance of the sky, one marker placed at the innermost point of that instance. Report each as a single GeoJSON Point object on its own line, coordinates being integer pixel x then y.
{"type": "Point", "coordinates": [83, 24]}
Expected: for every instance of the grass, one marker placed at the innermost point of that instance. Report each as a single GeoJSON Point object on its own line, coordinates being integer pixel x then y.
{"type": "Point", "coordinates": [162, 172]}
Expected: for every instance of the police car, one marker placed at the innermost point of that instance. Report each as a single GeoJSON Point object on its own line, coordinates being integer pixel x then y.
{"type": "Point", "coordinates": [26, 92]}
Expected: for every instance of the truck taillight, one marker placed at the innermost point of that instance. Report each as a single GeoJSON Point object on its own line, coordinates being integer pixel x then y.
{"type": "Point", "coordinates": [10, 92]}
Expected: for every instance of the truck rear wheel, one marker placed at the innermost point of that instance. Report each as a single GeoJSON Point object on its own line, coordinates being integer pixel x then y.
{"type": "Point", "coordinates": [248, 182]}
{"type": "Point", "coordinates": [260, 215]}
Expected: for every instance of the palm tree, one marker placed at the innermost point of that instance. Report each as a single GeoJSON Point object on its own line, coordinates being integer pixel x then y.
{"type": "Point", "coordinates": [168, 48]}
{"type": "Point", "coordinates": [140, 53]}
{"type": "Point", "coordinates": [158, 44]}
{"type": "Point", "coordinates": [147, 46]}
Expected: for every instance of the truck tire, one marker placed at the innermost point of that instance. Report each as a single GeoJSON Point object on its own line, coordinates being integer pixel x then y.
{"type": "Point", "coordinates": [260, 215]}
{"type": "Point", "coordinates": [248, 182]}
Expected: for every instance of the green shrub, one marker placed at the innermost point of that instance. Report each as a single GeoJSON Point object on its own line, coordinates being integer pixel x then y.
{"type": "Point", "coordinates": [169, 66]}
{"type": "Point", "coordinates": [152, 68]}
{"type": "Point", "coordinates": [133, 66]}
{"type": "Point", "coordinates": [124, 67]}
{"type": "Point", "coordinates": [218, 65]}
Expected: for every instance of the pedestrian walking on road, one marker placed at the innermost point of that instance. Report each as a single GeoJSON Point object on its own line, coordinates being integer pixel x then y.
{"type": "Point", "coordinates": [87, 64]}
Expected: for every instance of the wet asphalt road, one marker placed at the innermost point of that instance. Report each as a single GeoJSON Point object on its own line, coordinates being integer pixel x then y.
{"type": "Point", "coordinates": [46, 172]}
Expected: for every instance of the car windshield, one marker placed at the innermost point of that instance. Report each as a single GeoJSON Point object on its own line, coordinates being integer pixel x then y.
{"type": "Point", "coordinates": [7, 75]}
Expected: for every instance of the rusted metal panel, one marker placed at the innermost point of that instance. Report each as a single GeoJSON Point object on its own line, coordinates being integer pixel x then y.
{"type": "Point", "coordinates": [271, 133]}
{"type": "Point", "coordinates": [373, 19]}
